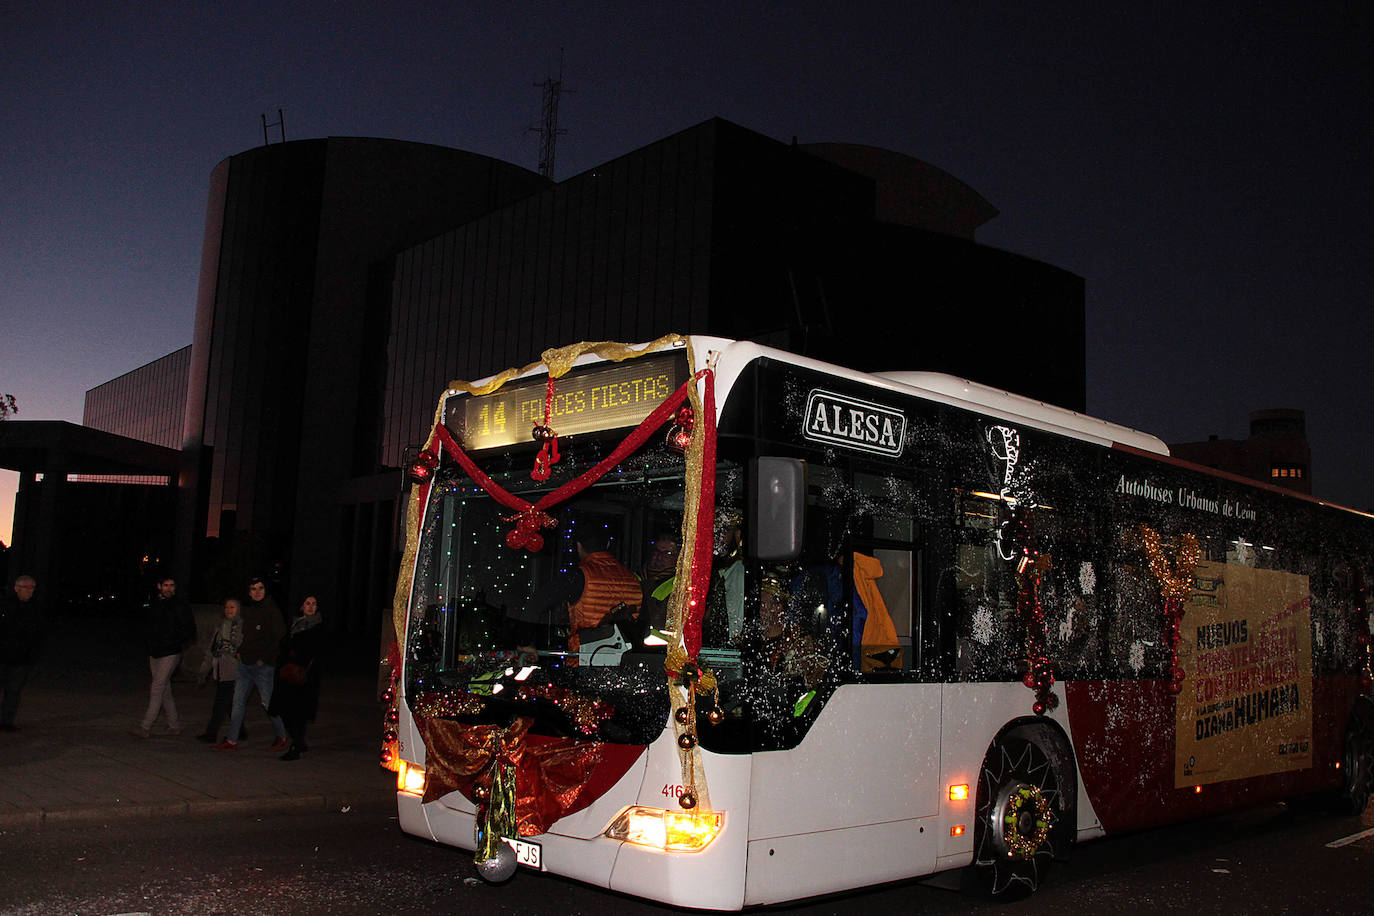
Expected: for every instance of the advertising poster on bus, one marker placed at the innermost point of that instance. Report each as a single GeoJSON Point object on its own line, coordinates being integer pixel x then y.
{"type": "Point", "coordinates": [1246, 646]}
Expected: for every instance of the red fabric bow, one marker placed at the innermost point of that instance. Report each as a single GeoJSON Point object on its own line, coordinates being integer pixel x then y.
{"type": "Point", "coordinates": [526, 532]}
{"type": "Point", "coordinates": [554, 776]}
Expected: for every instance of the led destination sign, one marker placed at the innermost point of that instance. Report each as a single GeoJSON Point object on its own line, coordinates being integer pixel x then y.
{"type": "Point", "coordinates": [610, 396]}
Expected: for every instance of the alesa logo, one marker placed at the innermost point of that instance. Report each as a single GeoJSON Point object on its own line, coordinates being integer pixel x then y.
{"type": "Point", "coordinates": [838, 419]}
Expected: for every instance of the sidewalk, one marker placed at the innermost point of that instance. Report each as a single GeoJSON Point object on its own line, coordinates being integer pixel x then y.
{"type": "Point", "coordinates": [74, 758]}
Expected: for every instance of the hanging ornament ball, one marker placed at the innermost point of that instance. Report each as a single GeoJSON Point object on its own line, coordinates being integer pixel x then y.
{"type": "Point", "coordinates": [682, 715]}
{"type": "Point", "coordinates": [1038, 708]}
{"type": "Point", "coordinates": [543, 433]}
{"type": "Point", "coordinates": [1179, 674]}
{"type": "Point", "coordinates": [686, 741]}
{"type": "Point", "coordinates": [687, 800]}
{"type": "Point", "coordinates": [499, 867]}
{"type": "Point", "coordinates": [386, 757]}
{"type": "Point", "coordinates": [1029, 679]}
{"type": "Point", "coordinates": [390, 734]}
{"type": "Point", "coordinates": [1175, 687]}
{"type": "Point", "coordinates": [481, 793]}
{"type": "Point", "coordinates": [393, 716]}
{"type": "Point", "coordinates": [715, 716]}
{"type": "Point", "coordinates": [388, 695]}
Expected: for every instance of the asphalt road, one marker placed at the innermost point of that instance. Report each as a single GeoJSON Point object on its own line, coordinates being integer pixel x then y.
{"type": "Point", "coordinates": [1272, 860]}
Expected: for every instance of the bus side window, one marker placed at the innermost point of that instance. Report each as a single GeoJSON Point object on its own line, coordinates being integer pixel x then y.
{"type": "Point", "coordinates": [1072, 615]}
{"type": "Point", "coordinates": [1135, 645]}
{"type": "Point", "coordinates": [882, 609]}
{"type": "Point", "coordinates": [988, 638]}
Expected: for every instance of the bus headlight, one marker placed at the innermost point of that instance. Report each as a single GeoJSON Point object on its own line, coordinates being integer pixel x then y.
{"type": "Point", "coordinates": [672, 831]}
{"type": "Point", "coordinates": [410, 778]}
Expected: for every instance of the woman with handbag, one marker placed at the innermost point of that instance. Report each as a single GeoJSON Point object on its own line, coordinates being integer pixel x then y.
{"type": "Point", "coordinates": [296, 696]}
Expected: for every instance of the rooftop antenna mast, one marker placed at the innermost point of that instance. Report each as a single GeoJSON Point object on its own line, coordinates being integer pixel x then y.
{"type": "Point", "coordinates": [548, 140]}
{"type": "Point", "coordinates": [280, 124]}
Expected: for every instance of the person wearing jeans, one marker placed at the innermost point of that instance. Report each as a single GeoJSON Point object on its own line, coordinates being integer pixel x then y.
{"type": "Point", "coordinates": [263, 629]}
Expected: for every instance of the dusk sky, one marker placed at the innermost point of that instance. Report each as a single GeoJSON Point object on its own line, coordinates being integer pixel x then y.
{"type": "Point", "coordinates": [1206, 168]}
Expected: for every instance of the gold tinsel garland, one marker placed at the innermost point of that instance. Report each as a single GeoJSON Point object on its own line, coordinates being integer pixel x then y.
{"type": "Point", "coordinates": [1175, 579]}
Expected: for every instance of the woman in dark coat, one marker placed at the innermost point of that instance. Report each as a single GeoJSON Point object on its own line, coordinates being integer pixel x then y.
{"type": "Point", "coordinates": [296, 695]}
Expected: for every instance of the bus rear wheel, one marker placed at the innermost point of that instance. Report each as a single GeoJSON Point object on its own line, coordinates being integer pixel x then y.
{"type": "Point", "coordinates": [1017, 824]}
{"type": "Point", "coordinates": [1357, 762]}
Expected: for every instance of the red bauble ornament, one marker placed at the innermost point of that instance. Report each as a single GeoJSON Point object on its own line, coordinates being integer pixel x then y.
{"type": "Point", "coordinates": [1038, 708]}
{"type": "Point", "coordinates": [687, 800]}
{"type": "Point", "coordinates": [1029, 679]}
{"type": "Point", "coordinates": [423, 468]}
{"type": "Point", "coordinates": [686, 741]}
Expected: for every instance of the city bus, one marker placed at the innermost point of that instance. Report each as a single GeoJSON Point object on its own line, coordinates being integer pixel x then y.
{"type": "Point", "coordinates": [917, 626]}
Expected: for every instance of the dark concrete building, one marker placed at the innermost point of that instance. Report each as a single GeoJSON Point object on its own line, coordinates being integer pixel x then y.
{"type": "Point", "coordinates": [297, 237]}
{"type": "Point", "coordinates": [345, 282]}
{"type": "Point", "coordinates": [1276, 451]}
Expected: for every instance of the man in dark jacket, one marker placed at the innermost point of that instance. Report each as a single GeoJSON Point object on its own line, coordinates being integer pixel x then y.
{"type": "Point", "coordinates": [21, 641]}
{"type": "Point", "coordinates": [263, 629]}
{"type": "Point", "coordinates": [167, 629]}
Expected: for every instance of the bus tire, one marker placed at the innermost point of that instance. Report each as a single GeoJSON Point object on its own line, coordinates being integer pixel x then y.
{"type": "Point", "coordinates": [1357, 762]}
{"type": "Point", "coordinates": [1018, 827]}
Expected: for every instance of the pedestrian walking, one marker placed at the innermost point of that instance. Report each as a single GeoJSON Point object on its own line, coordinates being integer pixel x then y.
{"type": "Point", "coordinates": [263, 629]}
{"type": "Point", "coordinates": [221, 667]}
{"type": "Point", "coordinates": [167, 629]}
{"type": "Point", "coordinates": [21, 643]}
{"type": "Point", "coordinates": [296, 697]}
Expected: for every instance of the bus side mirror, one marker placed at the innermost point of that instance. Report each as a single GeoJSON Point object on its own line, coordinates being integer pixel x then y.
{"type": "Point", "coordinates": [777, 508]}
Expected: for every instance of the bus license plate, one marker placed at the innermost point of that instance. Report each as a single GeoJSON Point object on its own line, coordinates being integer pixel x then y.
{"type": "Point", "coordinates": [526, 853]}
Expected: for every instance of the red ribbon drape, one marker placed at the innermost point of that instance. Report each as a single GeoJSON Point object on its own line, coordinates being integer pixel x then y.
{"type": "Point", "coordinates": [632, 442]}
{"type": "Point", "coordinates": [530, 517]}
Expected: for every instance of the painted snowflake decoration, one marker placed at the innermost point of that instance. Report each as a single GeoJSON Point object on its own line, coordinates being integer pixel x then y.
{"type": "Point", "coordinates": [1087, 578]}
{"type": "Point", "coordinates": [1137, 660]}
{"type": "Point", "coordinates": [983, 625]}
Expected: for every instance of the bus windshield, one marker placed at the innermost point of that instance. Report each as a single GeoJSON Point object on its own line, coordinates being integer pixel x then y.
{"type": "Point", "coordinates": [572, 635]}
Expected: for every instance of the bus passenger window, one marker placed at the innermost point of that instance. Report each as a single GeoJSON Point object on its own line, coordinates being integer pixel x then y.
{"type": "Point", "coordinates": [1135, 645]}
{"type": "Point", "coordinates": [794, 631]}
{"type": "Point", "coordinates": [1069, 596]}
{"type": "Point", "coordinates": [882, 610]}
{"type": "Point", "coordinates": [989, 639]}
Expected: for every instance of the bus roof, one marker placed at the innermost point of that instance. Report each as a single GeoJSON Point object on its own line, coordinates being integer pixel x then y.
{"type": "Point", "coordinates": [951, 390]}
{"type": "Point", "coordinates": [998, 401]}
